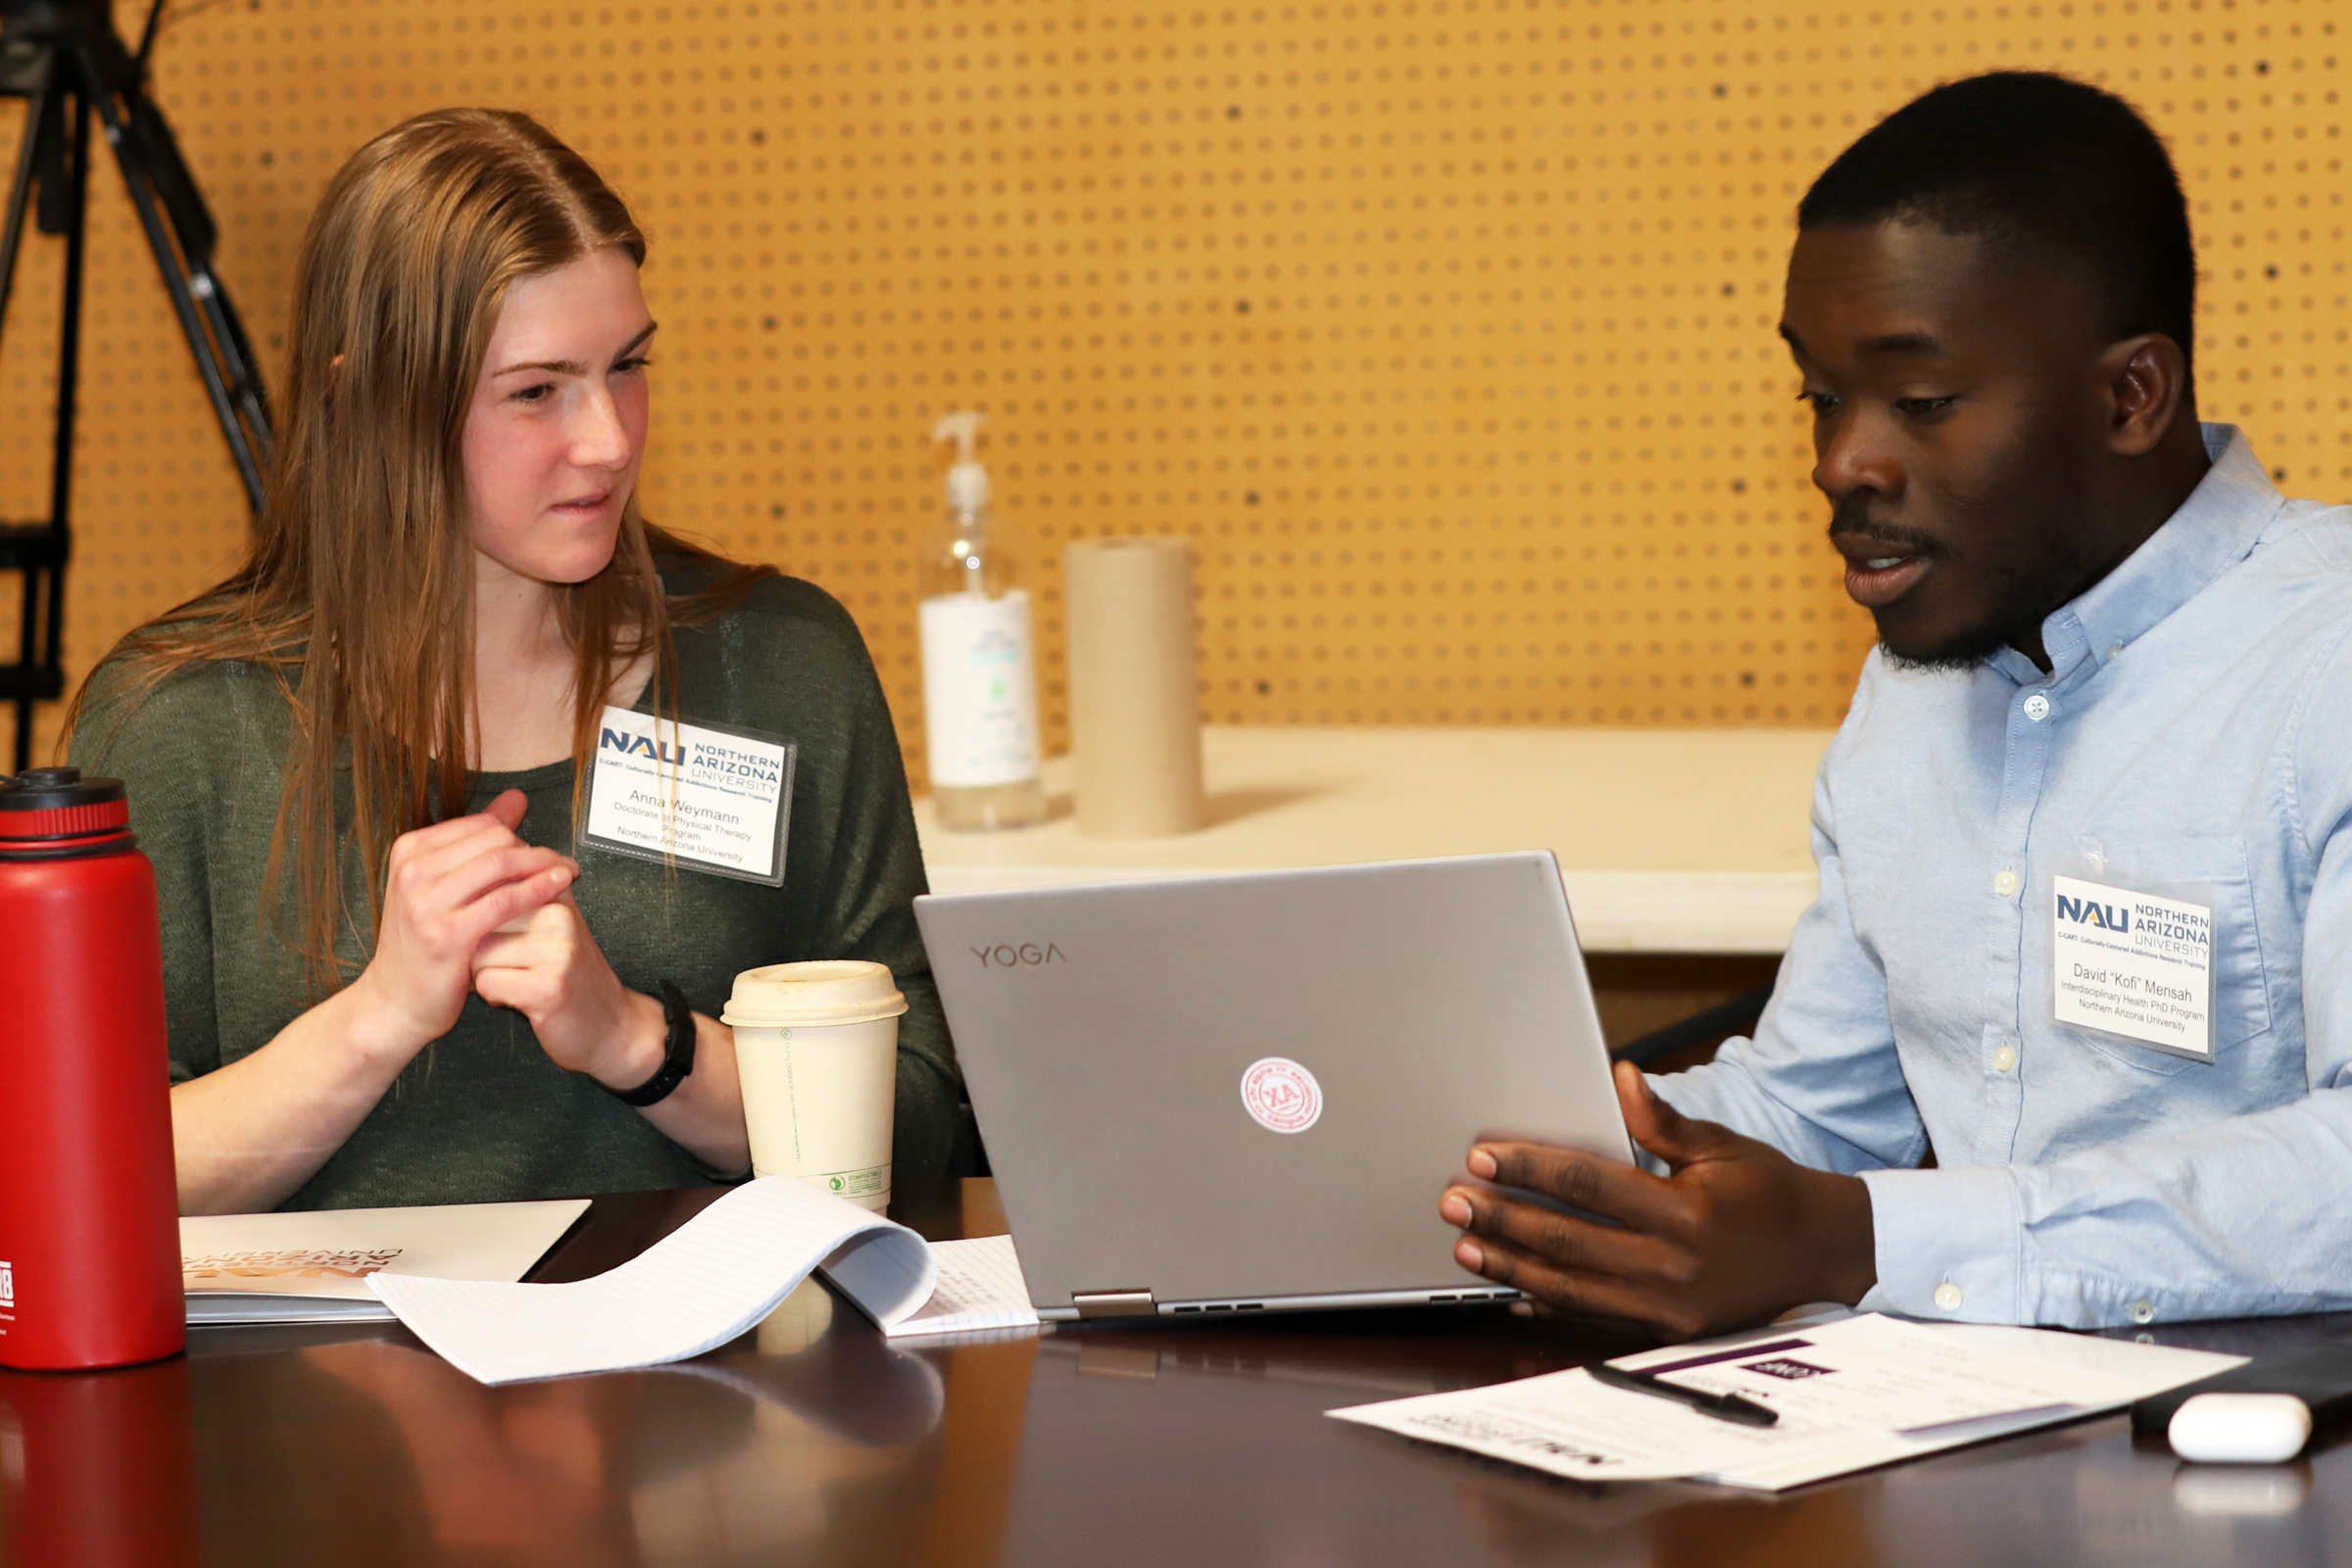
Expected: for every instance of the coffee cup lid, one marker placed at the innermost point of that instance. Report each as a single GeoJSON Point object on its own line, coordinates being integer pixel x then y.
{"type": "Point", "coordinates": [809, 996]}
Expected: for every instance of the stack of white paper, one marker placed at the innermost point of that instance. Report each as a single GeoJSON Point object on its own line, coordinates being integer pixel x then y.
{"type": "Point", "coordinates": [708, 1282]}
{"type": "Point", "coordinates": [1850, 1393]}
{"type": "Point", "coordinates": [980, 1287]}
{"type": "Point", "coordinates": [312, 1266]}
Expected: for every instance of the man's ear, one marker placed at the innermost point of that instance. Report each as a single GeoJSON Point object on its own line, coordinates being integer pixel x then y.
{"type": "Point", "coordinates": [2146, 379]}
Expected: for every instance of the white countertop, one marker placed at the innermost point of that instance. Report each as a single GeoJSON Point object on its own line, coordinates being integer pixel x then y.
{"type": "Point", "coordinates": [1669, 841]}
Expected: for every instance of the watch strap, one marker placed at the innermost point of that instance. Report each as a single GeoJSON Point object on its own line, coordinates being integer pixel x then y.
{"type": "Point", "coordinates": [677, 1053]}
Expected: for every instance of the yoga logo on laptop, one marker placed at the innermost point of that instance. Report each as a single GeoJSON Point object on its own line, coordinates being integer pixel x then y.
{"type": "Point", "coordinates": [1281, 1095]}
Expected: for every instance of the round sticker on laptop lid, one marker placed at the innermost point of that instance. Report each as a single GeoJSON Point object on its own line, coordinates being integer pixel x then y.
{"type": "Point", "coordinates": [1281, 1095]}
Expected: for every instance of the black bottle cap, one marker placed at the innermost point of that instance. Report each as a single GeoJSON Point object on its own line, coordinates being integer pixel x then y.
{"type": "Point", "coordinates": [48, 789]}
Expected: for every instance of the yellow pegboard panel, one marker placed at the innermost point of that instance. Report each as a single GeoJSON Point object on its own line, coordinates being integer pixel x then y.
{"type": "Point", "coordinates": [1442, 327]}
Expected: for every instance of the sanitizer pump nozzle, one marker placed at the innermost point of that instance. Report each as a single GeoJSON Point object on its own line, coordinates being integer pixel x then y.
{"type": "Point", "coordinates": [967, 480]}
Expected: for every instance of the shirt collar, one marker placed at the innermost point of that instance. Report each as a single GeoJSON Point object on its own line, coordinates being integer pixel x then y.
{"type": "Point", "coordinates": [2215, 529]}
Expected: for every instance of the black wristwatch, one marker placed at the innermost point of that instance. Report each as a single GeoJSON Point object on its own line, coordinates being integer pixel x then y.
{"type": "Point", "coordinates": [677, 1056]}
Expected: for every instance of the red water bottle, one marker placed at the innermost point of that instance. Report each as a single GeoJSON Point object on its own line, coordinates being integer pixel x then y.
{"type": "Point", "coordinates": [89, 1208]}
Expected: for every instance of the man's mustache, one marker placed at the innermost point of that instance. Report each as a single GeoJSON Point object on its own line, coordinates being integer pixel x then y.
{"type": "Point", "coordinates": [1852, 517]}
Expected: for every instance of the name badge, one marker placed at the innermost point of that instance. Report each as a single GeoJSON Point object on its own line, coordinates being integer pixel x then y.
{"type": "Point", "coordinates": [2134, 964]}
{"type": "Point", "coordinates": [709, 796]}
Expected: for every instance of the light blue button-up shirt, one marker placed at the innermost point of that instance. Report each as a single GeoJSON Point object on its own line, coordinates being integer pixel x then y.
{"type": "Point", "coordinates": [2195, 732]}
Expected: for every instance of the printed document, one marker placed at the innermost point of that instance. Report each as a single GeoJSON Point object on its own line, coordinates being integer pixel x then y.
{"type": "Point", "coordinates": [1851, 1393]}
{"type": "Point", "coordinates": [312, 1266]}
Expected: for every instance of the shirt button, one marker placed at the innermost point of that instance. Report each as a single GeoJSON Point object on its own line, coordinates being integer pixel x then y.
{"type": "Point", "coordinates": [2037, 708]}
{"type": "Point", "coordinates": [1947, 1296]}
{"type": "Point", "coordinates": [2004, 1059]}
{"type": "Point", "coordinates": [2004, 884]}
{"type": "Point", "coordinates": [2143, 1312]}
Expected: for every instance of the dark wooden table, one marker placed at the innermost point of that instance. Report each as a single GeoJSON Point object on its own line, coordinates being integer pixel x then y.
{"type": "Point", "coordinates": [814, 1441]}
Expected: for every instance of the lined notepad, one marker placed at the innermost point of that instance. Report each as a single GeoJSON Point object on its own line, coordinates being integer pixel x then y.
{"type": "Point", "coordinates": [980, 1287]}
{"type": "Point", "coordinates": [693, 1291]}
{"type": "Point", "coordinates": [711, 1280]}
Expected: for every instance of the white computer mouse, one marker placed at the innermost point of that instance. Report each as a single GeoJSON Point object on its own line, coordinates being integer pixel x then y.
{"type": "Point", "coordinates": [2240, 1428]}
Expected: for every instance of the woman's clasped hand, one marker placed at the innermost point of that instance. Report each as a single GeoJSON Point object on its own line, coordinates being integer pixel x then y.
{"type": "Point", "coordinates": [451, 886]}
{"type": "Point", "coordinates": [469, 906]}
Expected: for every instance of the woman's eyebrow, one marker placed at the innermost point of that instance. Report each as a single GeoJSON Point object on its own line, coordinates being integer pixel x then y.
{"type": "Point", "coordinates": [574, 366]}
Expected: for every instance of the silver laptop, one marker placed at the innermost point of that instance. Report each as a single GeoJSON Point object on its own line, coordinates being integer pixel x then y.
{"type": "Point", "coordinates": [1247, 1092]}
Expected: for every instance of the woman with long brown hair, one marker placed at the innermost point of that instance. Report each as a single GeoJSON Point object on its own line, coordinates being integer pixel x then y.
{"type": "Point", "coordinates": [393, 976]}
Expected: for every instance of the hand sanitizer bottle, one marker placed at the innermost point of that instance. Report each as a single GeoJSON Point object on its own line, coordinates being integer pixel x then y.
{"type": "Point", "coordinates": [979, 670]}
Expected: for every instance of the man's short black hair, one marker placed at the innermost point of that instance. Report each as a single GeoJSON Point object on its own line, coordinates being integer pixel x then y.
{"type": "Point", "coordinates": [2042, 167]}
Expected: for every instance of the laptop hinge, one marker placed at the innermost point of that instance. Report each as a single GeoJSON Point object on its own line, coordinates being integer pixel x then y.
{"type": "Point", "coordinates": [1113, 1304]}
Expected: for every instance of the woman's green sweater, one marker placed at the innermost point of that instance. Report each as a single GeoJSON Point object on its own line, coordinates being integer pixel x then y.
{"type": "Point", "coordinates": [483, 1114]}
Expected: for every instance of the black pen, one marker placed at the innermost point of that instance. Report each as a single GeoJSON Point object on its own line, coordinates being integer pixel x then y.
{"type": "Point", "coordinates": [1732, 1408]}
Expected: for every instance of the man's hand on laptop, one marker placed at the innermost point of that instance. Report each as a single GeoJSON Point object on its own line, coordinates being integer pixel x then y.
{"type": "Point", "coordinates": [1737, 1232]}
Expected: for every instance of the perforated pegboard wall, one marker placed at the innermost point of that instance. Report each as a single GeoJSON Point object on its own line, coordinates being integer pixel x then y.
{"type": "Point", "coordinates": [1443, 327]}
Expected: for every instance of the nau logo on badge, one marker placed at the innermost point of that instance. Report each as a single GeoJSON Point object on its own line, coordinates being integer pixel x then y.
{"type": "Point", "coordinates": [2090, 912]}
{"type": "Point", "coordinates": [613, 740]}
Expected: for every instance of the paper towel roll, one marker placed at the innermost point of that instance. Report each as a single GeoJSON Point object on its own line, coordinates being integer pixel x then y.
{"type": "Point", "coordinates": [1135, 686]}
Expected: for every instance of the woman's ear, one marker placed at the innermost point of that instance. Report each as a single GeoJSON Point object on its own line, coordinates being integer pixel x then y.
{"type": "Point", "coordinates": [335, 364]}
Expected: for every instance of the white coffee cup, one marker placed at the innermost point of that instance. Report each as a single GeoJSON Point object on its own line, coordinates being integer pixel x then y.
{"type": "Point", "coordinates": [816, 1048]}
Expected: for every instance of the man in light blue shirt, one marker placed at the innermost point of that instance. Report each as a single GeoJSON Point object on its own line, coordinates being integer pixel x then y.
{"type": "Point", "coordinates": [2085, 875]}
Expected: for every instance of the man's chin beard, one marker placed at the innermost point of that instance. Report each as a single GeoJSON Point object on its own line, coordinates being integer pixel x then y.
{"type": "Point", "coordinates": [1940, 663]}
{"type": "Point", "coordinates": [1965, 651]}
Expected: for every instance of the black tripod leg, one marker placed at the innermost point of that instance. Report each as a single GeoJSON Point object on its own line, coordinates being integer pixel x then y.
{"type": "Point", "coordinates": [148, 136]}
{"type": "Point", "coordinates": [77, 148]}
{"type": "Point", "coordinates": [245, 384]}
{"type": "Point", "coordinates": [26, 640]}
{"type": "Point", "coordinates": [20, 195]}
{"type": "Point", "coordinates": [69, 332]}
{"type": "Point", "coordinates": [129, 157]}
{"type": "Point", "coordinates": [56, 148]}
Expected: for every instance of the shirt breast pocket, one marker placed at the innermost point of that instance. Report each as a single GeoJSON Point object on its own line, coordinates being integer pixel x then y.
{"type": "Point", "coordinates": [2198, 871]}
